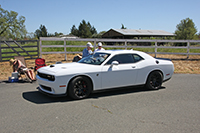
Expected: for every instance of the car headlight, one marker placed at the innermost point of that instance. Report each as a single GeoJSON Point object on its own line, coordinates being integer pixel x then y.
{"type": "Point", "coordinates": [46, 76]}
{"type": "Point", "coordinates": [51, 77]}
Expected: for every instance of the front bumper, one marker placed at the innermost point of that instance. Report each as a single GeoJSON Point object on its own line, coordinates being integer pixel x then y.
{"type": "Point", "coordinates": [51, 87]}
{"type": "Point", "coordinates": [49, 94]}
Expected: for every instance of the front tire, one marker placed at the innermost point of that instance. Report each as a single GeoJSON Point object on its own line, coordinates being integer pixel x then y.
{"type": "Point", "coordinates": [79, 88]}
{"type": "Point", "coordinates": [154, 80]}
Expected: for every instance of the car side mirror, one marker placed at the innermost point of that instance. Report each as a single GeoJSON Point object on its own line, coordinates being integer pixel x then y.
{"type": "Point", "coordinates": [114, 63]}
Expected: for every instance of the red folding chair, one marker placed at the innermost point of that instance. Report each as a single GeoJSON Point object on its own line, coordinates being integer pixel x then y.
{"type": "Point", "coordinates": [39, 62]}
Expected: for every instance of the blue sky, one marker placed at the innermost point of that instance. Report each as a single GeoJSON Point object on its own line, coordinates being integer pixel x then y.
{"type": "Point", "coordinates": [61, 15]}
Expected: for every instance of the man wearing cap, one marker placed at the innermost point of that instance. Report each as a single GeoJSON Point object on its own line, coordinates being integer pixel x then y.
{"type": "Point", "coordinates": [87, 51]}
{"type": "Point", "coordinates": [99, 47]}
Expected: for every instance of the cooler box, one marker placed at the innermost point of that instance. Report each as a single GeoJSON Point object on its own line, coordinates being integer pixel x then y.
{"type": "Point", "coordinates": [15, 75]}
{"type": "Point", "coordinates": [12, 79]}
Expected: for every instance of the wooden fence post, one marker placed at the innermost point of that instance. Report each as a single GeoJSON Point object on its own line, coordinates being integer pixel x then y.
{"type": "Point", "coordinates": [95, 43]}
{"type": "Point", "coordinates": [0, 53]}
{"type": "Point", "coordinates": [40, 49]}
{"type": "Point", "coordinates": [188, 49]}
{"type": "Point", "coordinates": [65, 49]}
{"type": "Point", "coordinates": [156, 49]}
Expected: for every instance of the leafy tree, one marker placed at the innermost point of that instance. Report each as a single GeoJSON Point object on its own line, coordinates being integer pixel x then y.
{"type": "Point", "coordinates": [11, 26]}
{"type": "Point", "coordinates": [85, 30]}
{"type": "Point", "coordinates": [30, 35]}
{"type": "Point", "coordinates": [198, 36]}
{"type": "Point", "coordinates": [186, 30]}
{"type": "Point", "coordinates": [41, 32]}
{"type": "Point", "coordinates": [58, 34]}
{"type": "Point", "coordinates": [74, 30]}
{"type": "Point", "coordinates": [93, 30]}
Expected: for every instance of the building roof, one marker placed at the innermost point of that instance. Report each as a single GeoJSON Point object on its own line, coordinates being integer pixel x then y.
{"type": "Point", "coordinates": [143, 32]}
{"type": "Point", "coordinates": [132, 32]}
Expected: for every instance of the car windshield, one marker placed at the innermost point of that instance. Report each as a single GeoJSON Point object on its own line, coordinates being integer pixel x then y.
{"type": "Point", "coordinates": [96, 59]}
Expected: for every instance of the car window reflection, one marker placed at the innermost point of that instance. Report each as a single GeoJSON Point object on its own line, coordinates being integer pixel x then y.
{"type": "Point", "coordinates": [96, 59]}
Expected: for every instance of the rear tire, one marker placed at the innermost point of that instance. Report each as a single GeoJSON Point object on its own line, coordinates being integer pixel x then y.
{"type": "Point", "coordinates": [79, 88]}
{"type": "Point", "coordinates": [154, 80]}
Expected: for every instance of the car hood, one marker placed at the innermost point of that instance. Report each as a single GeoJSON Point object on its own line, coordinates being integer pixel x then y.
{"type": "Point", "coordinates": [70, 68]}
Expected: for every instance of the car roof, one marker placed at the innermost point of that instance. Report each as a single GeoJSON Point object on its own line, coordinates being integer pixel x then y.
{"type": "Point", "coordinates": [114, 52]}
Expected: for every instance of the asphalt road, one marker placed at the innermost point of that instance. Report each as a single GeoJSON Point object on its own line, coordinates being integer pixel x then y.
{"type": "Point", "coordinates": [173, 108]}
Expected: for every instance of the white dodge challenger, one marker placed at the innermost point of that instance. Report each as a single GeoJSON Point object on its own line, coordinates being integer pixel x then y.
{"type": "Point", "coordinates": [104, 70]}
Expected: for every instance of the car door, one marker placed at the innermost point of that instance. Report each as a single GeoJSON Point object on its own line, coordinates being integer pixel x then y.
{"type": "Point", "coordinates": [122, 74]}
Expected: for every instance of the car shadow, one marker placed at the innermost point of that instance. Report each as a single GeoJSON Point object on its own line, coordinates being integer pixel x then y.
{"type": "Point", "coordinates": [40, 98]}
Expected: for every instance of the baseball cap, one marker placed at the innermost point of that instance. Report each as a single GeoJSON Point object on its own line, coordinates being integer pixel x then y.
{"type": "Point", "coordinates": [89, 45]}
{"type": "Point", "coordinates": [100, 44]}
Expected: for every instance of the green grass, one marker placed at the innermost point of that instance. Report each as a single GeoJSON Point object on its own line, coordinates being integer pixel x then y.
{"type": "Point", "coordinates": [80, 49]}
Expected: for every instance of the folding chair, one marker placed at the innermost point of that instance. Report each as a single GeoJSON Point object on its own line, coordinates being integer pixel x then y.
{"type": "Point", "coordinates": [39, 62]}
{"type": "Point", "coordinates": [21, 72]}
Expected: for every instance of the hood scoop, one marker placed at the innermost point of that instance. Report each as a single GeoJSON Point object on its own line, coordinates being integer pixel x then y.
{"type": "Point", "coordinates": [63, 67]}
{"type": "Point", "coordinates": [52, 65]}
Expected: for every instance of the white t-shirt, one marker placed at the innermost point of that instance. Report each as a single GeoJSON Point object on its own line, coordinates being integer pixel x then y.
{"type": "Point", "coordinates": [102, 49]}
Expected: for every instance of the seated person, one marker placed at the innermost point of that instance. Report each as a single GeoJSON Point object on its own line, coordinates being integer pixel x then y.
{"type": "Point", "coordinates": [19, 66]}
{"type": "Point", "coordinates": [77, 58]}
{"type": "Point", "coordinates": [87, 51]}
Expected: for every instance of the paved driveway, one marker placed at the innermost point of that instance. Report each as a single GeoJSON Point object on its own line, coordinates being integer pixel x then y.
{"type": "Point", "coordinates": [174, 108]}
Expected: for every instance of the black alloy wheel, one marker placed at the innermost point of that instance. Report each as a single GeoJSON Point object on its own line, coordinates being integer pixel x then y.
{"type": "Point", "coordinates": [154, 80]}
{"type": "Point", "coordinates": [79, 88]}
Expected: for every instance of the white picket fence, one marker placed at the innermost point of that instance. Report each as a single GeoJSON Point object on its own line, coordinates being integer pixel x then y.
{"type": "Point", "coordinates": [125, 46]}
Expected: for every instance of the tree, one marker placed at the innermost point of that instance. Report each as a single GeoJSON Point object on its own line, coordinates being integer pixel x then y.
{"type": "Point", "coordinates": [186, 30]}
{"type": "Point", "coordinates": [123, 27]}
{"type": "Point", "coordinates": [93, 30]}
{"type": "Point", "coordinates": [58, 34]}
{"type": "Point", "coordinates": [11, 26]}
{"type": "Point", "coordinates": [41, 32]}
{"type": "Point", "coordinates": [74, 30]}
{"type": "Point", "coordinates": [85, 30]}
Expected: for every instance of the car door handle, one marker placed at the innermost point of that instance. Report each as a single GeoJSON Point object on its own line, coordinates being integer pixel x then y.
{"type": "Point", "coordinates": [133, 66]}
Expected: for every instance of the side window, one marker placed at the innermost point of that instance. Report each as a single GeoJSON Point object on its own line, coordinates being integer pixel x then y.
{"type": "Point", "coordinates": [137, 58]}
{"type": "Point", "coordinates": [122, 59]}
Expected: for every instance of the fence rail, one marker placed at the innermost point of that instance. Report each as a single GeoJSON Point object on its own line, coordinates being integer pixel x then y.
{"type": "Point", "coordinates": [125, 46]}
{"type": "Point", "coordinates": [9, 49]}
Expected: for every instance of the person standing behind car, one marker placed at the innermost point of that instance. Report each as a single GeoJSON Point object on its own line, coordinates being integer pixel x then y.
{"type": "Point", "coordinates": [87, 51]}
{"type": "Point", "coordinates": [99, 47]}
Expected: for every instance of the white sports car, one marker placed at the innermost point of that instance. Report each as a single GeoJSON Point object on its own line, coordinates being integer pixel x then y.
{"type": "Point", "coordinates": [104, 70]}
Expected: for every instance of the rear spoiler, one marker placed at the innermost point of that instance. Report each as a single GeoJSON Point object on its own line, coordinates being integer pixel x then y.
{"type": "Point", "coordinates": [163, 59]}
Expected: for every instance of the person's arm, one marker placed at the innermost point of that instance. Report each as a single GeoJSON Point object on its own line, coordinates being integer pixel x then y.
{"type": "Point", "coordinates": [90, 52]}
{"type": "Point", "coordinates": [19, 64]}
